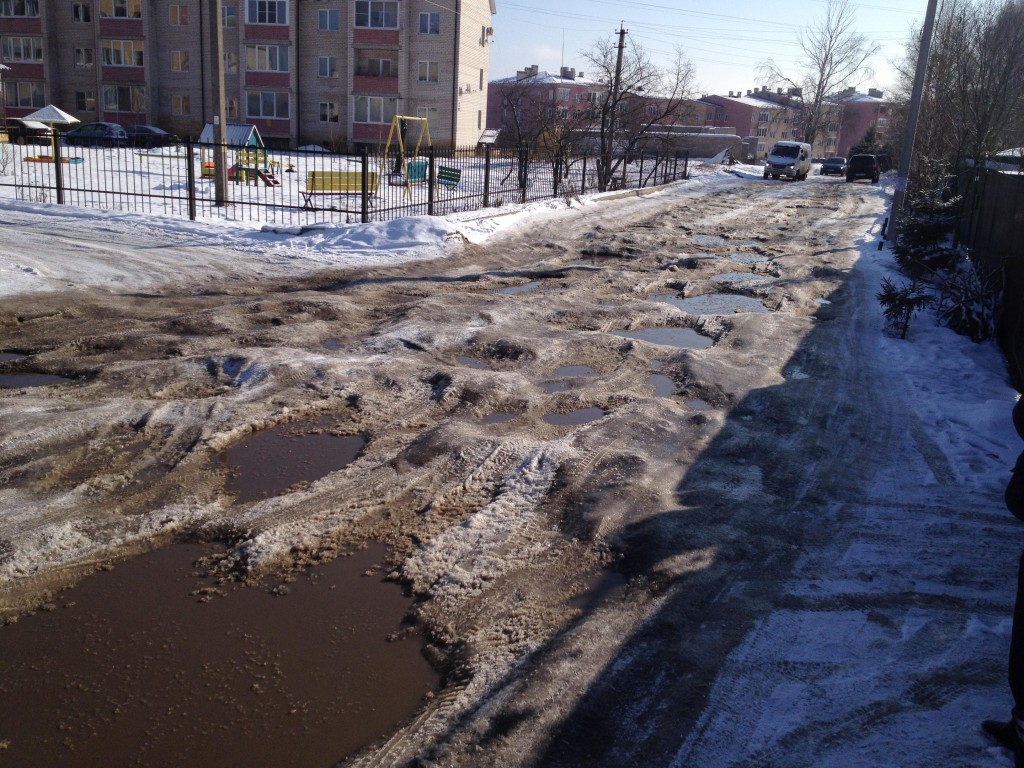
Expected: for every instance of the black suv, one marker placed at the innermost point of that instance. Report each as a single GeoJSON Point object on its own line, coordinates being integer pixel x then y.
{"type": "Point", "coordinates": [863, 167]}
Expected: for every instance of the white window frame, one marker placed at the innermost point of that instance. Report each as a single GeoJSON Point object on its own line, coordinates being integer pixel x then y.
{"type": "Point", "coordinates": [136, 98]}
{"type": "Point", "coordinates": [123, 53]}
{"type": "Point", "coordinates": [230, 62]}
{"type": "Point", "coordinates": [427, 72]}
{"type": "Point", "coordinates": [19, 9]}
{"type": "Point", "coordinates": [280, 110]}
{"type": "Point", "coordinates": [430, 113]}
{"type": "Point", "coordinates": [179, 61]}
{"type": "Point", "coordinates": [329, 112]}
{"type": "Point", "coordinates": [378, 64]}
{"type": "Point", "coordinates": [327, 66]}
{"type": "Point", "coordinates": [229, 17]}
{"type": "Point", "coordinates": [177, 15]}
{"type": "Point", "coordinates": [121, 9]}
{"type": "Point", "coordinates": [430, 23]}
{"type": "Point", "coordinates": [22, 48]}
{"type": "Point", "coordinates": [374, 110]}
{"type": "Point", "coordinates": [374, 14]}
{"type": "Point", "coordinates": [181, 104]}
{"type": "Point", "coordinates": [84, 58]}
{"type": "Point", "coordinates": [328, 20]}
{"type": "Point", "coordinates": [273, 12]}
{"type": "Point", "coordinates": [266, 57]}
{"type": "Point", "coordinates": [81, 13]}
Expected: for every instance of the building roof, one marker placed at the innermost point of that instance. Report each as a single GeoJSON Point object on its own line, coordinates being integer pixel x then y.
{"type": "Point", "coordinates": [235, 134]}
{"type": "Point", "coordinates": [546, 78]}
{"type": "Point", "coordinates": [753, 101]}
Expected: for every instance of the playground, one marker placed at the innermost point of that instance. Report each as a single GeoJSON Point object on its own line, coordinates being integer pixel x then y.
{"type": "Point", "coordinates": [406, 176]}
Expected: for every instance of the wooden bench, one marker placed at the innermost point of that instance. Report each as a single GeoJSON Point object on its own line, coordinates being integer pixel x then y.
{"type": "Point", "coordinates": [448, 177]}
{"type": "Point", "coordinates": [336, 183]}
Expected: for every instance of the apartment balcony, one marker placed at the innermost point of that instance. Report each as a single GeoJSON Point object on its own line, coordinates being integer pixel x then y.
{"type": "Point", "coordinates": [25, 25]}
{"type": "Point", "coordinates": [120, 27]}
{"type": "Point", "coordinates": [372, 84]}
{"type": "Point", "coordinates": [362, 36]}
{"type": "Point", "coordinates": [123, 74]}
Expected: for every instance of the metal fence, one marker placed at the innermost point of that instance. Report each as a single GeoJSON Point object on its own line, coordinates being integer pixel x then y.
{"type": "Point", "coordinates": [303, 186]}
{"type": "Point", "coordinates": [993, 227]}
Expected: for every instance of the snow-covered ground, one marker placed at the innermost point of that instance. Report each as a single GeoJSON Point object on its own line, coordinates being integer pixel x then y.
{"type": "Point", "coordinates": [882, 641]}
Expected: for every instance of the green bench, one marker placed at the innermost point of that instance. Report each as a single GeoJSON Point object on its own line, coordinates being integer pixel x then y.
{"type": "Point", "coordinates": [448, 177]}
{"type": "Point", "coordinates": [336, 183]}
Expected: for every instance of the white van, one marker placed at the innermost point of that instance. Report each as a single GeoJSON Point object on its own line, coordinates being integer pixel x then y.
{"type": "Point", "coordinates": [788, 158]}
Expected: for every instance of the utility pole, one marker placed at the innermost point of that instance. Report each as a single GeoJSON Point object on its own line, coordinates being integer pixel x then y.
{"type": "Point", "coordinates": [609, 132]}
{"type": "Point", "coordinates": [220, 131]}
{"type": "Point", "coordinates": [911, 129]}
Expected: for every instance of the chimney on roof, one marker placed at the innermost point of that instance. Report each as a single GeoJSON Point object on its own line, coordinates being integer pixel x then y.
{"type": "Point", "coordinates": [749, 91]}
{"type": "Point", "coordinates": [850, 91]}
{"type": "Point", "coordinates": [567, 73]}
{"type": "Point", "coordinates": [764, 88]}
{"type": "Point", "coordinates": [778, 91]}
{"type": "Point", "coordinates": [795, 92]}
{"type": "Point", "coordinates": [875, 93]}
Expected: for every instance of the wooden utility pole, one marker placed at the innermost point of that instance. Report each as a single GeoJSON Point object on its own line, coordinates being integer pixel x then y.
{"type": "Point", "coordinates": [608, 135]}
{"type": "Point", "coordinates": [219, 122]}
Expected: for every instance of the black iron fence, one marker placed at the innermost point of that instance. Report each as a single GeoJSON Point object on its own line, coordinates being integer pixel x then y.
{"type": "Point", "coordinates": [295, 187]}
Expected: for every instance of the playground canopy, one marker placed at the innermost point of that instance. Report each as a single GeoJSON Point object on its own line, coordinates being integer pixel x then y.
{"type": "Point", "coordinates": [236, 135]}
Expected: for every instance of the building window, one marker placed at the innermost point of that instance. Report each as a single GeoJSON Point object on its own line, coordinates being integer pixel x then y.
{"type": "Point", "coordinates": [380, 14]}
{"type": "Point", "coordinates": [830, 142]}
{"type": "Point", "coordinates": [229, 16]}
{"type": "Point", "coordinates": [19, 8]}
{"type": "Point", "coordinates": [427, 72]}
{"type": "Point", "coordinates": [81, 13]}
{"type": "Point", "coordinates": [230, 62]}
{"type": "Point", "coordinates": [121, 9]}
{"type": "Point", "coordinates": [374, 109]}
{"type": "Point", "coordinates": [328, 112]}
{"type": "Point", "coordinates": [266, 58]}
{"type": "Point", "coordinates": [267, 12]}
{"type": "Point", "coordinates": [379, 68]}
{"type": "Point", "coordinates": [480, 119]}
{"type": "Point", "coordinates": [430, 113]}
{"type": "Point", "coordinates": [268, 104]}
{"type": "Point", "coordinates": [430, 23]}
{"type": "Point", "coordinates": [760, 149]}
{"type": "Point", "coordinates": [85, 101]}
{"type": "Point", "coordinates": [178, 15]}
{"type": "Point", "coordinates": [233, 107]}
{"type": "Point", "coordinates": [563, 112]}
{"type": "Point", "coordinates": [763, 117]}
{"type": "Point", "coordinates": [481, 79]}
{"type": "Point", "coordinates": [84, 57]}
{"type": "Point", "coordinates": [179, 61]}
{"type": "Point", "coordinates": [23, 49]}
{"type": "Point", "coordinates": [762, 131]}
{"type": "Point", "coordinates": [24, 94]}
{"type": "Point", "coordinates": [563, 94]}
{"type": "Point", "coordinates": [709, 117]}
{"type": "Point", "coordinates": [652, 110]}
{"type": "Point", "coordinates": [329, 20]}
{"type": "Point", "coordinates": [181, 105]}
{"type": "Point", "coordinates": [327, 66]}
{"type": "Point", "coordinates": [123, 53]}
{"type": "Point", "coordinates": [124, 98]}
{"type": "Point", "coordinates": [882, 122]}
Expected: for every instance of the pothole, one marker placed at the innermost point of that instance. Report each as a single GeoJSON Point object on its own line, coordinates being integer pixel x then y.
{"type": "Point", "coordinates": [20, 380]}
{"type": "Point", "coordinates": [669, 337]}
{"type": "Point", "coordinates": [663, 385]}
{"type": "Point", "coordinates": [471, 362]}
{"type": "Point", "coordinates": [524, 288]}
{"type": "Point", "coordinates": [273, 460]}
{"type": "Point", "coordinates": [149, 664]}
{"type": "Point", "coordinates": [499, 417]}
{"type": "Point", "coordinates": [713, 303]}
{"type": "Point", "coordinates": [739, 278]}
{"type": "Point", "coordinates": [575, 418]}
{"type": "Point", "coordinates": [748, 258]}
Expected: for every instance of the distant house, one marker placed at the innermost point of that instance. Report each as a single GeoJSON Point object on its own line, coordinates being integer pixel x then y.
{"type": "Point", "coordinates": [533, 100]}
{"type": "Point", "coordinates": [861, 111]}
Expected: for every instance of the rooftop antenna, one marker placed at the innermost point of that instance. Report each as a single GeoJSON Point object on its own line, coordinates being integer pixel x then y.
{"type": "Point", "coordinates": [561, 64]}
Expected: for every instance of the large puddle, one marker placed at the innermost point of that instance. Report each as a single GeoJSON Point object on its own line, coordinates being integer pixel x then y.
{"type": "Point", "coordinates": [739, 278]}
{"type": "Point", "coordinates": [713, 303]}
{"type": "Point", "coordinates": [19, 380]}
{"type": "Point", "coordinates": [274, 460]}
{"type": "Point", "coordinates": [575, 418]}
{"type": "Point", "coordinates": [148, 665]}
{"type": "Point", "coordinates": [663, 386]}
{"type": "Point", "coordinates": [524, 288]}
{"type": "Point", "coordinates": [669, 337]}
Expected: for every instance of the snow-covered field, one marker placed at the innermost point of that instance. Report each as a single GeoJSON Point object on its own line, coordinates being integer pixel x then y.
{"type": "Point", "coordinates": [817, 569]}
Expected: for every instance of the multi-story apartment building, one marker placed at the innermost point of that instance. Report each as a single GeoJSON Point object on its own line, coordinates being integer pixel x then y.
{"type": "Point", "coordinates": [330, 72]}
{"type": "Point", "coordinates": [862, 111]}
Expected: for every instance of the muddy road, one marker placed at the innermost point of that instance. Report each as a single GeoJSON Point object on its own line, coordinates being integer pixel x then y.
{"type": "Point", "coordinates": [594, 448]}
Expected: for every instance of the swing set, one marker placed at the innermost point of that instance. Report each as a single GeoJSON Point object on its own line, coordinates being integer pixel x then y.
{"type": "Point", "coordinates": [414, 171]}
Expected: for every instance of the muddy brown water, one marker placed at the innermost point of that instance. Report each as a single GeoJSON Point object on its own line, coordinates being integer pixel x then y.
{"type": "Point", "coordinates": [133, 668]}
{"type": "Point", "coordinates": [273, 460]}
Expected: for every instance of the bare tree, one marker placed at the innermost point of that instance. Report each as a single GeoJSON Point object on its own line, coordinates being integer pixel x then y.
{"type": "Point", "coordinates": [835, 56]}
{"type": "Point", "coordinates": [640, 99]}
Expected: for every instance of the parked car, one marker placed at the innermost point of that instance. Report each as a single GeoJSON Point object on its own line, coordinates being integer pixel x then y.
{"type": "Point", "coordinates": [149, 136]}
{"type": "Point", "coordinates": [20, 131]}
{"type": "Point", "coordinates": [833, 165]}
{"type": "Point", "coordinates": [97, 135]}
{"type": "Point", "coordinates": [863, 167]}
